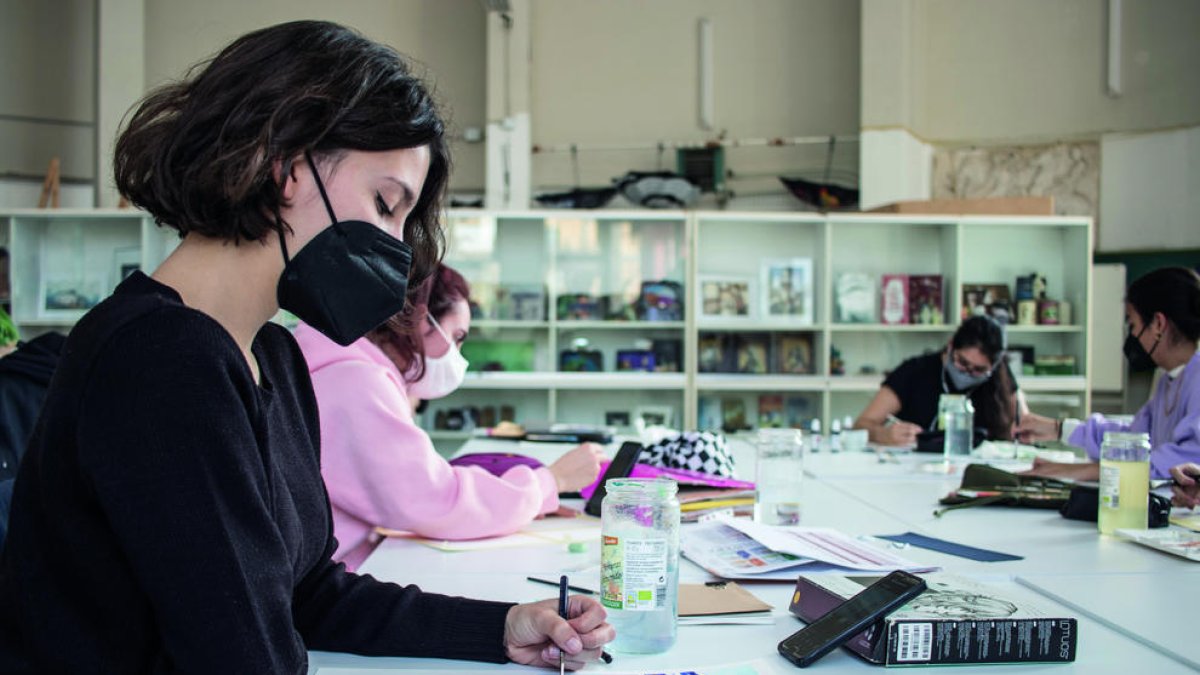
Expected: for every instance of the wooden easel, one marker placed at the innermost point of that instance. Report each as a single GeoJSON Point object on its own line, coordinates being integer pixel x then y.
{"type": "Point", "coordinates": [50, 186]}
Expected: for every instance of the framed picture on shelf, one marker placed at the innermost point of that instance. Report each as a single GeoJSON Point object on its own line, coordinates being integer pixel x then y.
{"type": "Point", "coordinates": [770, 411]}
{"type": "Point", "coordinates": [794, 354]}
{"type": "Point", "coordinates": [616, 418]}
{"type": "Point", "coordinates": [733, 414]}
{"type": "Point", "coordinates": [661, 301]}
{"type": "Point", "coordinates": [709, 417]}
{"type": "Point", "coordinates": [752, 354]}
{"type": "Point", "coordinates": [726, 297]}
{"type": "Point", "coordinates": [527, 302]}
{"type": "Point", "coordinates": [67, 298]}
{"type": "Point", "coordinates": [788, 289]}
{"type": "Point", "coordinates": [712, 354]}
{"type": "Point", "coordinates": [990, 299]}
{"type": "Point", "coordinates": [581, 307]}
{"type": "Point", "coordinates": [654, 415]}
{"type": "Point", "coordinates": [126, 261]}
{"type": "Point", "coordinates": [635, 359]}
{"type": "Point", "coordinates": [854, 297]}
{"type": "Point", "coordinates": [581, 361]}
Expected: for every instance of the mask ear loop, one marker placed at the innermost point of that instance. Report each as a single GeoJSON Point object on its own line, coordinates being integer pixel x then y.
{"type": "Point", "coordinates": [441, 331]}
{"type": "Point", "coordinates": [320, 186]}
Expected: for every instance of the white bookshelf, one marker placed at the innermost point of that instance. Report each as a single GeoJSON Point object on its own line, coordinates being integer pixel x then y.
{"type": "Point", "coordinates": [962, 249]}
{"type": "Point", "coordinates": [609, 253]}
{"type": "Point", "coordinates": [63, 261]}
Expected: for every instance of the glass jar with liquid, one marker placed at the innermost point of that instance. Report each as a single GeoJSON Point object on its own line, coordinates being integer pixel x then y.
{"type": "Point", "coordinates": [1124, 482]}
{"type": "Point", "coordinates": [956, 417]}
{"type": "Point", "coordinates": [639, 563]}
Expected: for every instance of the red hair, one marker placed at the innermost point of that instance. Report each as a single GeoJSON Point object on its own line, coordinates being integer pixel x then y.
{"type": "Point", "coordinates": [400, 336]}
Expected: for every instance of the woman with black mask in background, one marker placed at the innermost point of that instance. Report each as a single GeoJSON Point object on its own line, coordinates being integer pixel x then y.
{"type": "Point", "coordinates": [1162, 312]}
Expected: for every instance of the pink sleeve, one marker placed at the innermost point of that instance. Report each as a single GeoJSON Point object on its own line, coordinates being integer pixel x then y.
{"type": "Point", "coordinates": [381, 467]}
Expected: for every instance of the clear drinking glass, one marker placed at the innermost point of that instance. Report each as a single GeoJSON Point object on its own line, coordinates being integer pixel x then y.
{"type": "Point", "coordinates": [778, 476]}
{"type": "Point", "coordinates": [957, 417]}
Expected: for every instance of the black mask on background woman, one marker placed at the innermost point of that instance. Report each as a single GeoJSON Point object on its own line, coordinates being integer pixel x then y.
{"type": "Point", "coordinates": [1139, 359]}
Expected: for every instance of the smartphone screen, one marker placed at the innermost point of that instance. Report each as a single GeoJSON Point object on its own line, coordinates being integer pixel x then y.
{"type": "Point", "coordinates": [851, 617]}
{"type": "Point", "coordinates": [620, 467]}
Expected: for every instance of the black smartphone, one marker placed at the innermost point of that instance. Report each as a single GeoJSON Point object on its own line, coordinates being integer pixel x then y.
{"type": "Point", "coordinates": [620, 467]}
{"type": "Point", "coordinates": [850, 618]}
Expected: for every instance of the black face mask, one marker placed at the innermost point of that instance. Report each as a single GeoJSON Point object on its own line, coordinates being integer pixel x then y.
{"type": "Point", "coordinates": [349, 279]}
{"type": "Point", "coordinates": [1139, 359]}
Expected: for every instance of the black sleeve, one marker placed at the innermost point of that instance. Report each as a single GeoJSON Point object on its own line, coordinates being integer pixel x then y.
{"type": "Point", "coordinates": [336, 610]}
{"type": "Point", "coordinates": [340, 611]}
{"type": "Point", "coordinates": [905, 380]}
{"type": "Point", "coordinates": [175, 467]}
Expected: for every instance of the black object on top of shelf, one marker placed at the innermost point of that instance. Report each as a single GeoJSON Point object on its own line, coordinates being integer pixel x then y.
{"type": "Point", "coordinates": [578, 198]}
{"type": "Point", "coordinates": [824, 196]}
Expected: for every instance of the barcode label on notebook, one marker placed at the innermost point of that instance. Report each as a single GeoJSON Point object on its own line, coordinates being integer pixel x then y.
{"type": "Point", "coordinates": [914, 642]}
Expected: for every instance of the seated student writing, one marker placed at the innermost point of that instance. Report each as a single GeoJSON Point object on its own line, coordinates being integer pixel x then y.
{"type": "Point", "coordinates": [1162, 312]}
{"type": "Point", "coordinates": [972, 364]}
{"type": "Point", "coordinates": [169, 514]}
{"type": "Point", "coordinates": [380, 468]}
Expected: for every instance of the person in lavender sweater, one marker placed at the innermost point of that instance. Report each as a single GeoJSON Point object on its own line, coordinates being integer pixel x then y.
{"type": "Point", "coordinates": [1162, 310]}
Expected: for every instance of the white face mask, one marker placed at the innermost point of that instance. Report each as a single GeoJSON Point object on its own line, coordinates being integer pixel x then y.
{"type": "Point", "coordinates": [443, 374]}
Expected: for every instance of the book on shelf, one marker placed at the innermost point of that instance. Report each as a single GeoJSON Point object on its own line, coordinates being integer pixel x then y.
{"type": "Point", "coordinates": [955, 621]}
{"type": "Point", "coordinates": [770, 411]}
{"type": "Point", "coordinates": [925, 299]}
{"type": "Point", "coordinates": [894, 294]}
{"type": "Point", "coordinates": [854, 298]}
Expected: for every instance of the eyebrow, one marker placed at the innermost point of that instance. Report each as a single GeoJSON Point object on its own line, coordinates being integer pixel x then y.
{"type": "Point", "coordinates": [409, 198]}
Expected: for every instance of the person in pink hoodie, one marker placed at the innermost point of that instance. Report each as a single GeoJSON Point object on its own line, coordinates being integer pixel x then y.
{"type": "Point", "coordinates": [381, 469]}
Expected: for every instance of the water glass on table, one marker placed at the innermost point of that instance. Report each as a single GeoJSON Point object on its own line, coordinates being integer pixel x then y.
{"type": "Point", "coordinates": [778, 476]}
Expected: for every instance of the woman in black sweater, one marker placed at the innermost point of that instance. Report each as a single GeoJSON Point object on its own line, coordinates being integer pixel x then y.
{"type": "Point", "coordinates": [169, 515]}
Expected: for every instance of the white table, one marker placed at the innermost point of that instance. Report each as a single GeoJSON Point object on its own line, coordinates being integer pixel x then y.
{"type": "Point", "coordinates": [859, 496]}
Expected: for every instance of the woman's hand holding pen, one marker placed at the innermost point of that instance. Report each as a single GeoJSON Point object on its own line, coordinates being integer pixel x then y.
{"type": "Point", "coordinates": [1186, 491]}
{"type": "Point", "coordinates": [896, 433]}
{"type": "Point", "coordinates": [534, 634]}
{"type": "Point", "coordinates": [1035, 428]}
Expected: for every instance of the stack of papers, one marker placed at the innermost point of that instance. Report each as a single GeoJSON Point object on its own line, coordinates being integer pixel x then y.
{"type": "Point", "coordinates": [695, 504]}
{"type": "Point", "coordinates": [741, 549]}
{"type": "Point", "coordinates": [1182, 543]}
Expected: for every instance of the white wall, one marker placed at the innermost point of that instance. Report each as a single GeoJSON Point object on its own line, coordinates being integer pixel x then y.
{"type": "Point", "coordinates": [446, 37]}
{"type": "Point", "coordinates": [1036, 69]}
{"type": "Point", "coordinates": [46, 72]}
{"type": "Point", "coordinates": [626, 71]}
{"type": "Point", "coordinates": [1150, 191]}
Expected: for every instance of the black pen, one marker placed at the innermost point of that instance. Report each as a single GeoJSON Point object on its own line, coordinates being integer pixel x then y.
{"type": "Point", "coordinates": [563, 585]}
{"type": "Point", "coordinates": [577, 589]}
{"type": "Point", "coordinates": [562, 611]}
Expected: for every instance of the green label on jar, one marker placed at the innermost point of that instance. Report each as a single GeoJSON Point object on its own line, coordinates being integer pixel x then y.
{"type": "Point", "coordinates": [633, 573]}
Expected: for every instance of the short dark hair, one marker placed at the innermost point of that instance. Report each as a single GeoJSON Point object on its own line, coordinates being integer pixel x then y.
{"type": "Point", "coordinates": [400, 337]}
{"type": "Point", "coordinates": [200, 154]}
{"type": "Point", "coordinates": [1174, 291]}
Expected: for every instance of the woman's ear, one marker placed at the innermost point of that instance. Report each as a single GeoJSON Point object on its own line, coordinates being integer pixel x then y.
{"type": "Point", "coordinates": [1160, 323]}
{"type": "Point", "coordinates": [285, 178]}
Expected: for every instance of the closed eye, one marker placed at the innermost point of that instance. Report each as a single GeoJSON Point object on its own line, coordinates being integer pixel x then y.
{"type": "Point", "coordinates": [384, 210]}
